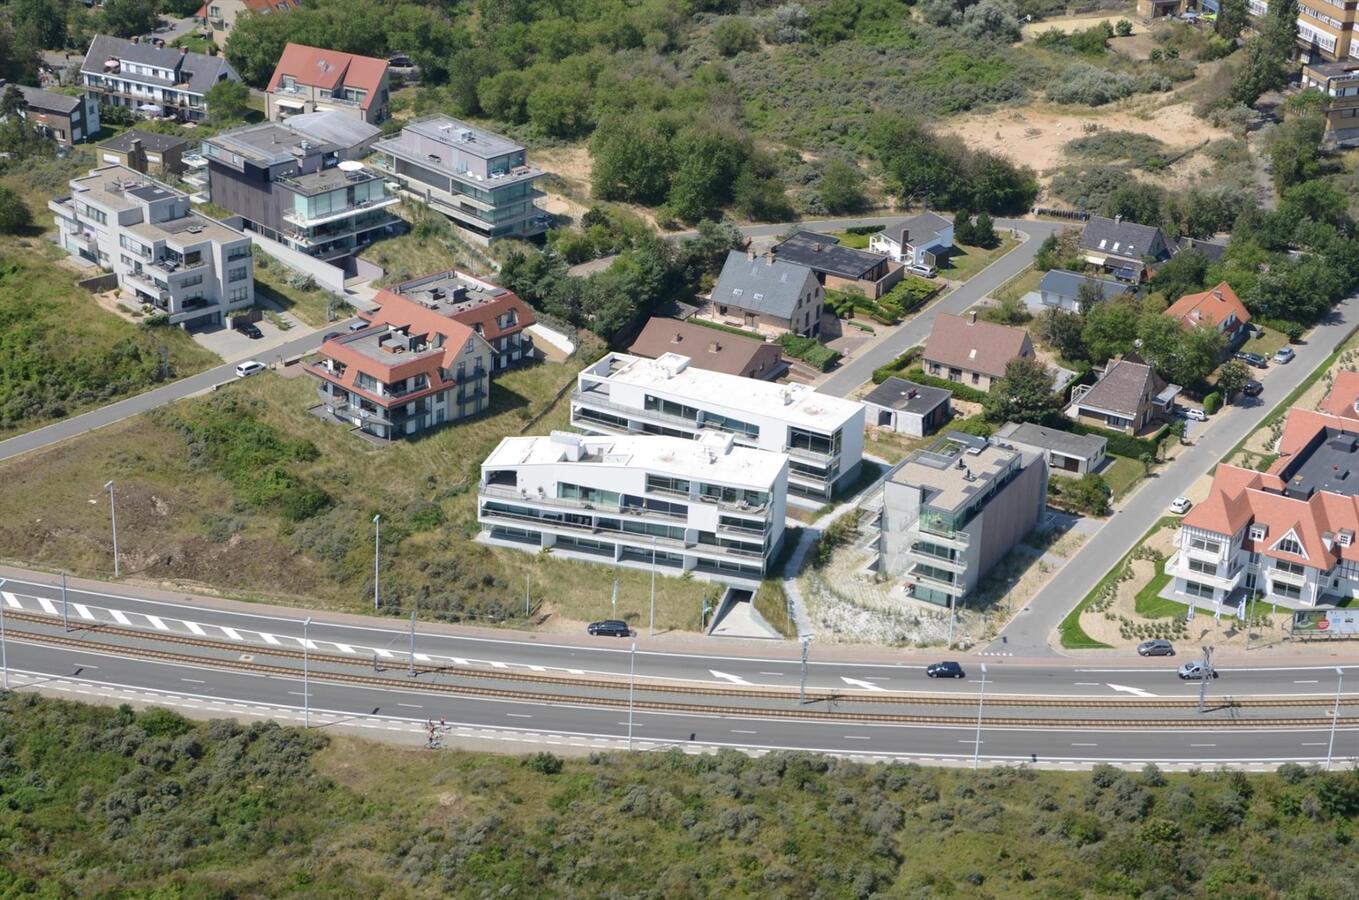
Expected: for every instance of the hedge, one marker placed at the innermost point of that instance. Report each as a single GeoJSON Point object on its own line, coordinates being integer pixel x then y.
{"type": "Point", "coordinates": [1212, 403]}
{"type": "Point", "coordinates": [729, 329]}
{"type": "Point", "coordinates": [865, 229]}
{"type": "Point", "coordinates": [960, 391]}
{"type": "Point", "coordinates": [1119, 444]}
{"type": "Point", "coordinates": [810, 351]}
{"type": "Point", "coordinates": [898, 365]}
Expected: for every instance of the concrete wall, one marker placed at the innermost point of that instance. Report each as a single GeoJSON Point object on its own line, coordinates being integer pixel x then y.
{"type": "Point", "coordinates": [1008, 517]}
{"type": "Point", "coordinates": [327, 276]}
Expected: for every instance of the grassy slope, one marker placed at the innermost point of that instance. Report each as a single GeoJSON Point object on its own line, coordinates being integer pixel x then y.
{"type": "Point", "coordinates": [108, 802]}
{"type": "Point", "coordinates": [179, 519]}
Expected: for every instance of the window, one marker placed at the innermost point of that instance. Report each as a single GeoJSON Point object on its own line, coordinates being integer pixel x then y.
{"type": "Point", "coordinates": [238, 295]}
{"type": "Point", "coordinates": [191, 281]}
{"type": "Point", "coordinates": [237, 273]}
{"type": "Point", "coordinates": [1194, 589]}
{"type": "Point", "coordinates": [1289, 567]}
{"type": "Point", "coordinates": [97, 215]}
{"type": "Point", "coordinates": [567, 491]}
{"type": "Point", "coordinates": [1258, 532]}
{"type": "Point", "coordinates": [1289, 545]}
{"type": "Point", "coordinates": [215, 11]}
{"type": "Point", "coordinates": [1284, 589]}
{"type": "Point", "coordinates": [233, 254]}
{"type": "Point", "coordinates": [1207, 546]}
{"type": "Point", "coordinates": [1202, 567]}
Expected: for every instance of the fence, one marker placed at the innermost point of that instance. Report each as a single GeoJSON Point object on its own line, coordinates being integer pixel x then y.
{"type": "Point", "coordinates": [1077, 215]}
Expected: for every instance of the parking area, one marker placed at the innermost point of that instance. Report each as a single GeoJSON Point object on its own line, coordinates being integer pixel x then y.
{"type": "Point", "coordinates": [234, 346]}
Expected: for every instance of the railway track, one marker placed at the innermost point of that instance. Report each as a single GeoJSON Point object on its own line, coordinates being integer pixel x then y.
{"type": "Point", "coordinates": [803, 712]}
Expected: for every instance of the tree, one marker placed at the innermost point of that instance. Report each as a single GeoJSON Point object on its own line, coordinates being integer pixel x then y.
{"type": "Point", "coordinates": [995, 20]}
{"type": "Point", "coordinates": [842, 187]}
{"type": "Point", "coordinates": [983, 233]}
{"type": "Point", "coordinates": [733, 36]}
{"type": "Point", "coordinates": [1010, 310]}
{"type": "Point", "coordinates": [560, 109]}
{"type": "Point", "coordinates": [1062, 330]}
{"type": "Point", "coordinates": [1232, 18]}
{"type": "Point", "coordinates": [1197, 356]}
{"type": "Point", "coordinates": [228, 101]}
{"type": "Point", "coordinates": [1136, 202]}
{"type": "Point", "coordinates": [758, 194]}
{"type": "Point", "coordinates": [1161, 337]}
{"type": "Point", "coordinates": [632, 160]}
{"type": "Point", "coordinates": [1023, 394]}
{"type": "Point", "coordinates": [710, 160]}
{"type": "Point", "coordinates": [1110, 329]}
{"type": "Point", "coordinates": [1088, 293]}
{"type": "Point", "coordinates": [962, 228]}
{"type": "Point", "coordinates": [1182, 274]}
{"type": "Point", "coordinates": [14, 215]}
{"type": "Point", "coordinates": [1293, 153]}
{"type": "Point", "coordinates": [1232, 377]}
{"type": "Point", "coordinates": [126, 18]}
{"type": "Point", "coordinates": [1090, 492]}
{"type": "Point", "coordinates": [12, 102]}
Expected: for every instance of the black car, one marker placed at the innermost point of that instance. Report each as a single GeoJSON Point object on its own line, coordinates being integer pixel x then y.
{"type": "Point", "coordinates": [250, 330]}
{"type": "Point", "coordinates": [945, 670]}
{"type": "Point", "coordinates": [1253, 359]}
{"type": "Point", "coordinates": [610, 628]}
{"type": "Point", "coordinates": [1253, 388]}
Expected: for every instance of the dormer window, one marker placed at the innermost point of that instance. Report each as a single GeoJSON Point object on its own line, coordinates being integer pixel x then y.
{"type": "Point", "coordinates": [1289, 544]}
{"type": "Point", "coordinates": [1345, 538]}
{"type": "Point", "coordinates": [1258, 532]}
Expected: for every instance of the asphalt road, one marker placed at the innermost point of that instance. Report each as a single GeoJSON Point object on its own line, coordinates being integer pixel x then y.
{"type": "Point", "coordinates": [204, 690]}
{"type": "Point", "coordinates": [1028, 634]}
{"type": "Point", "coordinates": [388, 642]}
{"type": "Point", "coordinates": [148, 400]}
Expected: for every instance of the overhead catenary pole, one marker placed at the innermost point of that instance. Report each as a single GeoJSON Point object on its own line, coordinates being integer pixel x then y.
{"type": "Point", "coordinates": [113, 515]}
{"type": "Point", "coordinates": [802, 689]}
{"type": "Point", "coordinates": [632, 684]}
{"type": "Point", "coordinates": [1204, 676]}
{"type": "Point", "coordinates": [377, 543]}
{"type": "Point", "coordinates": [528, 584]}
{"type": "Point", "coordinates": [952, 618]}
{"type": "Point", "coordinates": [4, 653]}
{"type": "Point", "coordinates": [981, 700]}
{"type": "Point", "coordinates": [1335, 714]}
{"type": "Point", "coordinates": [653, 587]}
{"type": "Point", "coordinates": [65, 612]}
{"type": "Point", "coordinates": [306, 679]}
{"type": "Point", "coordinates": [412, 669]}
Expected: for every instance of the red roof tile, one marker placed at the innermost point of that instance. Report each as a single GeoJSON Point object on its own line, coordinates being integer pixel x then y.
{"type": "Point", "coordinates": [1212, 307]}
{"type": "Point", "coordinates": [328, 69]}
{"type": "Point", "coordinates": [1344, 395]}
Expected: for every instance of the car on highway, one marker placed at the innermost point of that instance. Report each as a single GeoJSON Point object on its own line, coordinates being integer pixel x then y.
{"type": "Point", "coordinates": [922, 270]}
{"type": "Point", "coordinates": [610, 628]}
{"type": "Point", "coordinates": [1284, 355]}
{"type": "Point", "coordinates": [1156, 647]}
{"type": "Point", "coordinates": [246, 369]}
{"type": "Point", "coordinates": [1253, 359]}
{"type": "Point", "coordinates": [250, 330]}
{"type": "Point", "coordinates": [1196, 414]}
{"type": "Point", "coordinates": [1180, 505]}
{"type": "Point", "coordinates": [1253, 388]}
{"type": "Point", "coordinates": [1194, 669]}
{"type": "Point", "coordinates": [948, 669]}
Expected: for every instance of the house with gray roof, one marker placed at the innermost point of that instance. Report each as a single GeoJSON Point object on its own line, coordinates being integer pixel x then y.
{"type": "Point", "coordinates": [64, 118]}
{"type": "Point", "coordinates": [908, 408]}
{"type": "Point", "coordinates": [1125, 249]}
{"type": "Point", "coordinates": [151, 78]}
{"type": "Point", "coordinates": [914, 241]}
{"type": "Point", "coordinates": [1060, 289]}
{"type": "Point", "coordinates": [766, 294]}
{"type": "Point", "coordinates": [145, 151]}
{"type": "Point", "coordinates": [1066, 453]}
{"type": "Point", "coordinates": [840, 268]}
{"type": "Point", "coordinates": [1128, 397]}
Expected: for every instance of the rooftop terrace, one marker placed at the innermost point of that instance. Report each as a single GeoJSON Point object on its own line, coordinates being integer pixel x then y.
{"type": "Point", "coordinates": [955, 470]}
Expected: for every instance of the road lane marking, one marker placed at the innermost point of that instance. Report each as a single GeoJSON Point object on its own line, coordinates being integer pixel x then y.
{"type": "Point", "coordinates": [83, 611]}
{"type": "Point", "coordinates": [1136, 692]}
{"type": "Point", "coordinates": [777, 674]}
{"type": "Point", "coordinates": [411, 705]}
{"type": "Point", "coordinates": [385, 654]}
{"type": "Point", "coordinates": [1314, 743]}
{"type": "Point", "coordinates": [1312, 681]}
{"type": "Point", "coordinates": [519, 715]}
{"type": "Point", "coordinates": [538, 668]}
{"type": "Point", "coordinates": [269, 638]}
{"type": "Point", "coordinates": [231, 633]}
{"type": "Point", "coordinates": [119, 617]}
{"type": "Point", "coordinates": [734, 679]}
{"type": "Point", "coordinates": [864, 685]}
{"type": "Point", "coordinates": [741, 731]}
{"type": "Point", "coordinates": [345, 648]}
{"type": "Point", "coordinates": [194, 680]}
{"type": "Point", "coordinates": [195, 628]}
{"type": "Point", "coordinates": [48, 606]}
{"type": "Point", "coordinates": [1087, 684]}
{"type": "Point", "coordinates": [1084, 745]}
{"type": "Point", "coordinates": [157, 624]}
{"type": "Point", "coordinates": [1203, 745]}
{"type": "Point", "coordinates": [12, 600]}
{"type": "Point", "coordinates": [421, 657]}
{"type": "Point", "coordinates": [858, 737]}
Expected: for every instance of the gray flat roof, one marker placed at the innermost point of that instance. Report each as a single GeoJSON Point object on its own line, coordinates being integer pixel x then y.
{"type": "Point", "coordinates": [266, 144]}
{"type": "Point", "coordinates": [479, 143]}
{"type": "Point", "coordinates": [823, 253]}
{"type": "Point", "coordinates": [907, 396]}
{"type": "Point", "coordinates": [1064, 442]}
{"type": "Point", "coordinates": [953, 477]}
{"type": "Point", "coordinates": [151, 140]}
{"type": "Point", "coordinates": [1068, 284]}
{"type": "Point", "coordinates": [449, 293]}
{"type": "Point", "coordinates": [1330, 463]}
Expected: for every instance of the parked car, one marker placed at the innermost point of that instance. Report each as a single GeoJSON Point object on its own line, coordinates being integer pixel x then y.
{"type": "Point", "coordinates": [1194, 669]}
{"type": "Point", "coordinates": [358, 326]}
{"type": "Point", "coordinates": [330, 336]}
{"type": "Point", "coordinates": [1284, 355]}
{"type": "Point", "coordinates": [1156, 647]}
{"type": "Point", "coordinates": [1196, 414]}
{"type": "Point", "coordinates": [1253, 388]}
{"type": "Point", "coordinates": [610, 628]}
{"type": "Point", "coordinates": [1253, 359]}
{"type": "Point", "coordinates": [246, 369]}
{"type": "Point", "coordinates": [250, 330]}
{"type": "Point", "coordinates": [1180, 505]}
{"type": "Point", "coordinates": [945, 670]}
{"type": "Point", "coordinates": [923, 270]}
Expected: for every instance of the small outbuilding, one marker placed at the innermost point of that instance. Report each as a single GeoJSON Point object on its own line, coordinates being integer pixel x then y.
{"type": "Point", "coordinates": [1066, 453]}
{"type": "Point", "coordinates": [908, 408]}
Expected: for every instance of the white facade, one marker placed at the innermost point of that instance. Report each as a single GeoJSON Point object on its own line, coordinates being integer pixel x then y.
{"type": "Point", "coordinates": [823, 436]}
{"type": "Point", "coordinates": [1212, 568]}
{"type": "Point", "coordinates": [913, 253]}
{"type": "Point", "coordinates": [192, 268]}
{"type": "Point", "coordinates": [706, 506]}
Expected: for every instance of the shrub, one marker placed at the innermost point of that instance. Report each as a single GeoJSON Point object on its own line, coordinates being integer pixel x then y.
{"type": "Point", "coordinates": [838, 533]}
{"type": "Point", "coordinates": [1086, 85]}
{"type": "Point", "coordinates": [810, 351]}
{"type": "Point", "coordinates": [1212, 403]}
{"type": "Point", "coordinates": [14, 214]}
{"type": "Point", "coordinates": [543, 763]}
{"type": "Point", "coordinates": [961, 391]}
{"type": "Point", "coordinates": [1123, 28]}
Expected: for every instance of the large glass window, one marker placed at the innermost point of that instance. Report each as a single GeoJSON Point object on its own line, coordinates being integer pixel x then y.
{"type": "Point", "coordinates": [1290, 568]}
{"type": "Point", "coordinates": [671, 408]}
{"type": "Point", "coordinates": [1284, 589]}
{"type": "Point", "coordinates": [568, 491]}
{"type": "Point", "coordinates": [1288, 545]}
{"type": "Point", "coordinates": [814, 442]}
{"type": "Point", "coordinates": [1195, 589]}
{"type": "Point", "coordinates": [932, 572]}
{"type": "Point", "coordinates": [662, 485]}
{"type": "Point", "coordinates": [735, 426]}
{"type": "Point", "coordinates": [1202, 567]}
{"type": "Point", "coordinates": [1205, 545]}
{"type": "Point", "coordinates": [732, 495]}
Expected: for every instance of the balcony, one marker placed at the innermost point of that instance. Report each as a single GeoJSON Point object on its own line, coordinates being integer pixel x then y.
{"type": "Point", "coordinates": [924, 556]}
{"type": "Point", "coordinates": [961, 538]}
{"type": "Point", "coordinates": [743, 532]}
{"type": "Point", "coordinates": [147, 286]}
{"type": "Point", "coordinates": [815, 456]}
{"type": "Point", "coordinates": [935, 582]}
{"type": "Point", "coordinates": [1276, 574]}
{"type": "Point", "coordinates": [304, 221]}
{"type": "Point", "coordinates": [1178, 567]}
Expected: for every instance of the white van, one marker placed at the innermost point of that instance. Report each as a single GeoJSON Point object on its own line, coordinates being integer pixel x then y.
{"type": "Point", "coordinates": [246, 369]}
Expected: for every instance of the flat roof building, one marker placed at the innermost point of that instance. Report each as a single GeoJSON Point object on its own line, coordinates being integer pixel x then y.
{"type": "Point", "coordinates": [823, 435]}
{"type": "Point", "coordinates": [908, 408]}
{"type": "Point", "coordinates": [707, 506]}
{"type": "Point", "coordinates": [491, 311]}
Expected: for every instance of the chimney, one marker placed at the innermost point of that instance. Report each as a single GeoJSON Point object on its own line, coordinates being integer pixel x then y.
{"type": "Point", "coordinates": [714, 347]}
{"type": "Point", "coordinates": [1118, 219]}
{"type": "Point", "coordinates": [1217, 292]}
{"type": "Point", "coordinates": [972, 318]}
{"type": "Point", "coordinates": [677, 338]}
{"type": "Point", "coordinates": [136, 39]}
{"type": "Point", "coordinates": [183, 52]}
{"type": "Point", "coordinates": [136, 145]}
{"type": "Point", "coordinates": [750, 253]}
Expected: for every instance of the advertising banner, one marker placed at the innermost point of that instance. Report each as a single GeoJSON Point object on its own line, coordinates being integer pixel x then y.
{"type": "Point", "coordinates": [1326, 623]}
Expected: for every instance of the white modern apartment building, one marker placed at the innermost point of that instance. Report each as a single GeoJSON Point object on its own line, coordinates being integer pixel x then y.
{"type": "Point", "coordinates": [823, 436]}
{"type": "Point", "coordinates": [708, 506]}
{"type": "Point", "coordinates": [193, 269]}
{"type": "Point", "coordinates": [953, 511]}
{"type": "Point", "coordinates": [1288, 533]}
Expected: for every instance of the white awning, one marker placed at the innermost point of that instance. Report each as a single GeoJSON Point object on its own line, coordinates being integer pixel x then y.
{"type": "Point", "coordinates": [291, 104]}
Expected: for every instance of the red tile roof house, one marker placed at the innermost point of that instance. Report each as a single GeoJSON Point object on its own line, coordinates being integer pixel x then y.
{"type": "Point", "coordinates": [409, 370]}
{"type": "Point", "coordinates": [972, 351]}
{"type": "Point", "coordinates": [1343, 400]}
{"type": "Point", "coordinates": [1287, 533]}
{"type": "Point", "coordinates": [309, 79]}
{"type": "Point", "coordinates": [1218, 308]}
{"type": "Point", "coordinates": [491, 311]}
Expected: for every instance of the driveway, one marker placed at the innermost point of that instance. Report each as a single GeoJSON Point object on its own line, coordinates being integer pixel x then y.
{"type": "Point", "coordinates": [233, 346]}
{"type": "Point", "coordinates": [1028, 634]}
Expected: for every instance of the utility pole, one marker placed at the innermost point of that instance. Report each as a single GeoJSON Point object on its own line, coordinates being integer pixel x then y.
{"type": "Point", "coordinates": [632, 686]}
{"type": "Point", "coordinates": [1335, 716]}
{"type": "Point", "coordinates": [615, 598]}
{"type": "Point", "coordinates": [528, 582]}
{"type": "Point", "coordinates": [412, 671]}
{"type": "Point", "coordinates": [65, 613]}
{"type": "Point", "coordinates": [377, 543]}
{"type": "Point", "coordinates": [1206, 674]}
{"type": "Point", "coordinates": [4, 653]}
{"type": "Point", "coordinates": [802, 690]}
{"type": "Point", "coordinates": [306, 680]}
{"type": "Point", "coordinates": [981, 699]}
{"type": "Point", "coordinates": [952, 618]}
{"type": "Point", "coordinates": [113, 514]}
{"type": "Point", "coordinates": [653, 587]}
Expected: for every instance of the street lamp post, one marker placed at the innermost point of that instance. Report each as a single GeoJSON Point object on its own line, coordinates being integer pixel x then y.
{"type": "Point", "coordinates": [981, 700]}
{"type": "Point", "coordinates": [632, 683]}
{"type": "Point", "coordinates": [4, 654]}
{"type": "Point", "coordinates": [412, 670]}
{"type": "Point", "coordinates": [65, 610]}
{"type": "Point", "coordinates": [1205, 675]}
{"type": "Point", "coordinates": [113, 514]}
{"type": "Point", "coordinates": [377, 542]}
{"type": "Point", "coordinates": [306, 679]}
{"type": "Point", "coordinates": [653, 586]}
{"type": "Point", "coordinates": [802, 690]}
{"type": "Point", "coordinates": [1335, 715]}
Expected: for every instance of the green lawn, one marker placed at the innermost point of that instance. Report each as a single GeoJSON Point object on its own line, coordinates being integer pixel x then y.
{"type": "Point", "coordinates": [1122, 474]}
{"type": "Point", "coordinates": [963, 262]}
{"type": "Point", "coordinates": [312, 305]}
{"type": "Point", "coordinates": [1073, 636]}
{"type": "Point", "coordinates": [429, 246]}
{"type": "Point", "coordinates": [855, 241]}
{"type": "Point", "coordinates": [1266, 344]}
{"type": "Point", "coordinates": [1023, 283]}
{"type": "Point", "coordinates": [1148, 602]}
{"type": "Point", "coordinates": [194, 42]}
